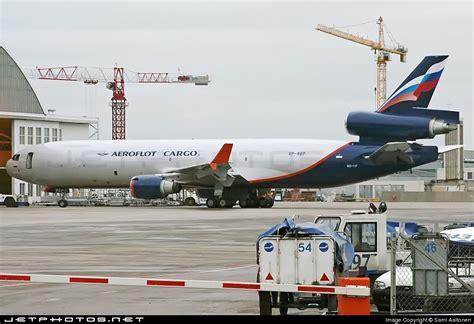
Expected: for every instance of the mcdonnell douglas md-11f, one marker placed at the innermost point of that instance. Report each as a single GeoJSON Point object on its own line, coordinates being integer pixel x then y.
{"type": "Point", "coordinates": [231, 170]}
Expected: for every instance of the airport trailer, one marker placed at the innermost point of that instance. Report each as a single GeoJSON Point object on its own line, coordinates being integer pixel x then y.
{"type": "Point", "coordinates": [297, 260]}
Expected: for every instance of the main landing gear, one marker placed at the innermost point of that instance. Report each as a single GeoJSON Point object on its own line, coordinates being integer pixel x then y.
{"type": "Point", "coordinates": [219, 203]}
{"type": "Point", "coordinates": [262, 202]}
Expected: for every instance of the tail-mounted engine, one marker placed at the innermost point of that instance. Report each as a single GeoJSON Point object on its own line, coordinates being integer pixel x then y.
{"type": "Point", "coordinates": [391, 127]}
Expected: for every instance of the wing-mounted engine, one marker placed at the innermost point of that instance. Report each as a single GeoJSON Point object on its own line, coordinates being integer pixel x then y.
{"type": "Point", "coordinates": [375, 126]}
{"type": "Point", "coordinates": [152, 187]}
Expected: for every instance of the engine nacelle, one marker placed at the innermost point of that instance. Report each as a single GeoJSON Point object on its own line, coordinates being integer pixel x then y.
{"type": "Point", "coordinates": [152, 187]}
{"type": "Point", "coordinates": [395, 127]}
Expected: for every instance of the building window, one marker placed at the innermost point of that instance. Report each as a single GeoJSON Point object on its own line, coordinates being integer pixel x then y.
{"type": "Point", "coordinates": [379, 189]}
{"type": "Point", "coordinates": [60, 134]}
{"type": "Point", "coordinates": [38, 190]}
{"type": "Point", "coordinates": [365, 191]}
{"type": "Point", "coordinates": [397, 187]}
{"type": "Point", "coordinates": [38, 135]}
{"type": "Point", "coordinates": [55, 134]}
{"type": "Point", "coordinates": [22, 188]}
{"type": "Point", "coordinates": [469, 175]}
{"type": "Point", "coordinates": [30, 135]}
{"type": "Point", "coordinates": [30, 189]}
{"type": "Point", "coordinates": [46, 135]}
{"type": "Point", "coordinates": [22, 134]}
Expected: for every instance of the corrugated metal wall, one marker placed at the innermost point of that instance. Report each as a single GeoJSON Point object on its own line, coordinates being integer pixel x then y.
{"type": "Point", "coordinates": [454, 160]}
{"type": "Point", "coordinates": [16, 93]}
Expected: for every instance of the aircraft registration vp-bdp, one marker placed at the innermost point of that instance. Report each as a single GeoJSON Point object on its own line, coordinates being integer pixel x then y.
{"type": "Point", "coordinates": [231, 170]}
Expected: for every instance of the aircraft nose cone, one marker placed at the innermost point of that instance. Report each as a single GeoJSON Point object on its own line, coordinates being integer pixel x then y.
{"type": "Point", "coordinates": [11, 167]}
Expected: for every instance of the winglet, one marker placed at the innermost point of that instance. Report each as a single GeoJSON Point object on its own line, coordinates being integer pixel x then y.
{"type": "Point", "coordinates": [223, 156]}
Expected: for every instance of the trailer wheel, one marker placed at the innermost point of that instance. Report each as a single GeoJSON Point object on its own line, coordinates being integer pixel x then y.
{"type": "Point", "coordinates": [265, 303]}
{"type": "Point", "coordinates": [10, 202]}
{"type": "Point", "coordinates": [190, 201]}
{"type": "Point", "coordinates": [332, 303]}
{"type": "Point", "coordinates": [283, 303]}
{"type": "Point", "coordinates": [62, 203]}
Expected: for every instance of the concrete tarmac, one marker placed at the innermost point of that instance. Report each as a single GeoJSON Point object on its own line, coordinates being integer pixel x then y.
{"type": "Point", "coordinates": [156, 242]}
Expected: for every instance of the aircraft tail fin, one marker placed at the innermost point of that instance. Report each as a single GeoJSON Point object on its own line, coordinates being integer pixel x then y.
{"type": "Point", "coordinates": [417, 89]}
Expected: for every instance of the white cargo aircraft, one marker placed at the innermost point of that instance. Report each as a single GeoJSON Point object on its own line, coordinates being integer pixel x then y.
{"type": "Point", "coordinates": [227, 171]}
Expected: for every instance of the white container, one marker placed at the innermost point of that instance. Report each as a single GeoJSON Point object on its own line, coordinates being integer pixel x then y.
{"type": "Point", "coordinates": [297, 260]}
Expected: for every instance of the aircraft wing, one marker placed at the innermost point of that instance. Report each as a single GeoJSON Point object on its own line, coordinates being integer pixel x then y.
{"type": "Point", "coordinates": [218, 168]}
{"type": "Point", "coordinates": [392, 152]}
{"type": "Point", "coordinates": [445, 149]}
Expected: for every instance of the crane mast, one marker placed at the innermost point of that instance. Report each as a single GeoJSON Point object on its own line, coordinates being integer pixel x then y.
{"type": "Point", "coordinates": [118, 104]}
{"type": "Point", "coordinates": [382, 54]}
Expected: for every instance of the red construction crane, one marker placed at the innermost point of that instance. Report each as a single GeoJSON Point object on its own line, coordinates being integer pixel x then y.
{"type": "Point", "coordinates": [116, 82]}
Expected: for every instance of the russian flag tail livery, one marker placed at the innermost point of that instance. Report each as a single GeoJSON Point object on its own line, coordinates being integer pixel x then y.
{"type": "Point", "coordinates": [418, 88]}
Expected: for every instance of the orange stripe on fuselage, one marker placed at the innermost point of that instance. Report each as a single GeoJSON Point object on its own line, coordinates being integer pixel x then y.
{"type": "Point", "coordinates": [286, 176]}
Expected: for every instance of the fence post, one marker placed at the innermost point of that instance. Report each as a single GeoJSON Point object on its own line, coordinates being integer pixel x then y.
{"type": "Point", "coordinates": [393, 273]}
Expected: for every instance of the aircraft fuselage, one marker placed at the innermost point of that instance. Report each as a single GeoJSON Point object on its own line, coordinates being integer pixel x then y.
{"type": "Point", "coordinates": [256, 163]}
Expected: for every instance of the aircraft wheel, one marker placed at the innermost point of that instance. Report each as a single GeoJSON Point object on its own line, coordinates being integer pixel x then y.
{"type": "Point", "coordinates": [262, 202]}
{"type": "Point", "coordinates": [243, 203]}
{"type": "Point", "coordinates": [62, 203]}
{"type": "Point", "coordinates": [269, 203]}
{"type": "Point", "coordinates": [254, 203]}
{"type": "Point", "coordinates": [230, 203]}
{"type": "Point", "coordinates": [222, 203]}
{"type": "Point", "coordinates": [211, 203]}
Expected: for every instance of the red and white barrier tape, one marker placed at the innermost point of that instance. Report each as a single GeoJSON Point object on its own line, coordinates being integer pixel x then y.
{"type": "Point", "coordinates": [361, 291]}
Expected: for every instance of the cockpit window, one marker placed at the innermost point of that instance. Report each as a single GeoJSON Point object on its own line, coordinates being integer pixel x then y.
{"type": "Point", "coordinates": [29, 160]}
{"type": "Point", "coordinates": [16, 157]}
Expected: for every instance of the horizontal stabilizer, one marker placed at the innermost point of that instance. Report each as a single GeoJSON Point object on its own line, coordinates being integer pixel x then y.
{"type": "Point", "coordinates": [392, 153]}
{"type": "Point", "coordinates": [448, 148]}
{"type": "Point", "coordinates": [451, 117]}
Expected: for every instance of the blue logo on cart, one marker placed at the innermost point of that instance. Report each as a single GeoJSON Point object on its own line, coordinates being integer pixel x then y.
{"type": "Point", "coordinates": [323, 247]}
{"type": "Point", "coordinates": [268, 247]}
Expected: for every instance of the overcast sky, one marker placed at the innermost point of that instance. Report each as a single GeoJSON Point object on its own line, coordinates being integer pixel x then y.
{"type": "Point", "coordinates": [273, 74]}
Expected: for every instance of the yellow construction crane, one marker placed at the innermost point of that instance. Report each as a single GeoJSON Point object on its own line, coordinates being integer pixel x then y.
{"type": "Point", "coordinates": [382, 55]}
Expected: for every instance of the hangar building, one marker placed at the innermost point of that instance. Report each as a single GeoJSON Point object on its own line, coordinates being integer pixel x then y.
{"type": "Point", "coordinates": [23, 122]}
